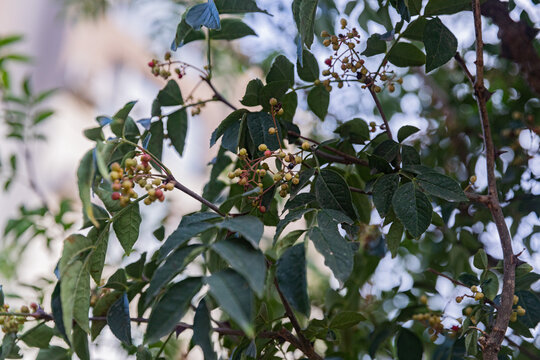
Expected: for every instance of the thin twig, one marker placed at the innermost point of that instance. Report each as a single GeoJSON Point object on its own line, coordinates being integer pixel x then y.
{"type": "Point", "coordinates": [217, 94]}
{"type": "Point", "coordinates": [196, 196]}
{"type": "Point", "coordinates": [461, 62]}
{"type": "Point", "coordinates": [381, 111]}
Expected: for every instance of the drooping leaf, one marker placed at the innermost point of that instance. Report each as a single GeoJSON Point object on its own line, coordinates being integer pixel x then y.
{"type": "Point", "coordinates": [374, 46]}
{"type": "Point", "coordinates": [383, 191]}
{"type": "Point", "coordinates": [39, 336]}
{"type": "Point", "coordinates": [480, 260]}
{"type": "Point", "coordinates": [85, 176]}
{"type": "Point", "coordinates": [155, 144]}
{"type": "Point", "coordinates": [100, 309]}
{"type": "Point", "coordinates": [258, 124]}
{"type": "Point", "coordinates": [412, 208]}
{"type": "Point", "coordinates": [490, 284]}
{"type": "Point", "coordinates": [309, 70]}
{"type": "Point", "coordinates": [440, 44]}
{"type": "Point", "coordinates": [203, 14]}
{"type": "Point", "coordinates": [177, 127]}
{"type": "Point", "coordinates": [100, 239]}
{"type": "Point", "coordinates": [318, 101]}
{"type": "Point", "coordinates": [174, 264]}
{"type": "Point", "coordinates": [332, 192]}
{"type": "Point", "coordinates": [126, 226]}
{"type": "Point", "coordinates": [292, 279]}
{"type": "Point", "coordinates": [409, 346]}
{"type": "Point", "coordinates": [80, 343]}
{"type": "Point", "coordinates": [170, 308]}
{"type": "Point", "coordinates": [237, 6]}
{"type": "Point", "coordinates": [250, 227]}
{"type": "Point", "coordinates": [405, 55]}
{"type": "Point", "coordinates": [119, 320]}
{"type": "Point", "coordinates": [234, 296]}
{"type": "Point", "coordinates": [289, 102]}
{"type": "Point", "coordinates": [394, 237]}
{"type": "Point", "coordinates": [441, 186]}
{"type": "Point", "coordinates": [337, 252]}
{"type": "Point", "coordinates": [304, 14]}
{"type": "Point", "coordinates": [346, 319]}
{"type": "Point", "coordinates": [247, 261]}
{"type": "Point", "coordinates": [202, 329]}
{"type": "Point", "coordinates": [54, 353]}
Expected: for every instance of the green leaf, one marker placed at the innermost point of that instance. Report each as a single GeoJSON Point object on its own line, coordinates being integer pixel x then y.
{"type": "Point", "coordinates": [443, 7]}
{"type": "Point", "coordinates": [406, 131]}
{"type": "Point", "coordinates": [282, 69]}
{"type": "Point", "coordinates": [237, 7]}
{"type": "Point", "coordinates": [332, 192]}
{"type": "Point", "coordinates": [394, 236]}
{"type": "Point", "coordinates": [75, 287]}
{"type": "Point", "coordinates": [525, 281]}
{"type": "Point", "coordinates": [85, 176]}
{"type": "Point", "coordinates": [490, 284]}
{"type": "Point", "coordinates": [155, 145]}
{"type": "Point", "coordinates": [120, 118]}
{"type": "Point", "coordinates": [232, 29]}
{"type": "Point", "coordinates": [258, 124]}
{"type": "Point", "coordinates": [100, 309]}
{"type": "Point", "coordinates": [53, 353]}
{"type": "Point", "coordinates": [80, 343]}
{"type": "Point", "coordinates": [291, 216]}
{"type": "Point", "coordinates": [231, 122]}
{"type": "Point", "coordinates": [292, 279]}
{"type": "Point", "coordinates": [185, 34]}
{"type": "Point", "coordinates": [318, 100]}
{"type": "Point", "coordinates": [177, 127]}
{"type": "Point", "coordinates": [337, 252]}
{"type": "Point", "coordinates": [412, 208]}
{"type": "Point", "coordinates": [310, 70]}
{"type": "Point", "coordinates": [126, 226]}
{"type": "Point", "coordinates": [305, 19]}
{"type": "Point", "coordinates": [405, 55]}
{"type": "Point", "coordinates": [39, 336]}
{"type": "Point", "coordinates": [383, 191]}
{"type": "Point", "coordinates": [247, 261]}
{"type": "Point", "coordinates": [250, 227]}
{"type": "Point", "coordinates": [441, 186]}
{"type": "Point", "coordinates": [440, 44]}
{"type": "Point", "coordinates": [531, 303]}
{"type": "Point", "coordinates": [100, 239]}
{"type": "Point", "coordinates": [119, 320]}
{"type": "Point", "coordinates": [481, 260]}
{"type": "Point", "coordinates": [289, 102]}
{"type": "Point", "coordinates": [374, 46]}
{"type": "Point", "coordinates": [232, 293]}
{"type": "Point", "coordinates": [346, 319]}
{"type": "Point", "coordinates": [202, 330]}
{"type": "Point", "coordinates": [170, 95]}
{"type": "Point", "coordinates": [356, 131]}
{"type": "Point", "coordinates": [415, 6]}
{"type": "Point", "coordinates": [190, 226]}
{"type": "Point", "coordinates": [170, 308]}
{"type": "Point", "coordinates": [409, 156]}
{"type": "Point", "coordinates": [174, 264]}
{"type": "Point", "coordinates": [471, 342]}
{"type": "Point", "coordinates": [9, 348]}
{"type": "Point", "coordinates": [415, 30]}
{"type": "Point", "coordinates": [409, 346]}
{"type": "Point", "coordinates": [251, 97]}
{"type": "Point", "coordinates": [42, 115]}
{"type": "Point", "coordinates": [388, 150]}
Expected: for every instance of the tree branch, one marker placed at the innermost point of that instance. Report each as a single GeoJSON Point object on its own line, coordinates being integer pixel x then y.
{"type": "Point", "coordinates": [217, 94]}
{"type": "Point", "coordinates": [194, 195]}
{"type": "Point", "coordinates": [498, 331]}
{"type": "Point", "coordinates": [381, 111]}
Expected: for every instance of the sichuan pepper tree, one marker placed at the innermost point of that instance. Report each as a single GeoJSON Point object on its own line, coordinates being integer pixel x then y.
{"type": "Point", "coordinates": [254, 298]}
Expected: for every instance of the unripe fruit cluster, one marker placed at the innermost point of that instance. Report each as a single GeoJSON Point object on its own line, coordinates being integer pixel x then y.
{"type": "Point", "coordinates": [13, 323]}
{"type": "Point", "coordinates": [137, 173]}
{"type": "Point", "coordinates": [164, 69]}
{"type": "Point", "coordinates": [432, 322]}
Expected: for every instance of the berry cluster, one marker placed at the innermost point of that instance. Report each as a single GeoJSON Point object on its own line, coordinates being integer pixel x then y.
{"type": "Point", "coordinates": [134, 172]}
{"type": "Point", "coordinates": [254, 170]}
{"type": "Point", "coordinates": [476, 295]}
{"type": "Point", "coordinates": [13, 323]}
{"type": "Point", "coordinates": [164, 69]}
{"type": "Point", "coordinates": [349, 62]}
{"type": "Point", "coordinates": [431, 321]}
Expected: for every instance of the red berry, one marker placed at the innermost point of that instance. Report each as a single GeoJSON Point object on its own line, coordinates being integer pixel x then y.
{"type": "Point", "coordinates": [267, 153]}
{"type": "Point", "coordinates": [180, 75]}
{"type": "Point", "coordinates": [161, 198]}
{"type": "Point", "coordinates": [262, 209]}
{"type": "Point", "coordinates": [159, 193]}
{"type": "Point", "coordinates": [146, 158]}
{"type": "Point", "coordinates": [115, 196]}
{"type": "Point", "coordinates": [328, 62]}
{"type": "Point", "coordinates": [152, 64]}
{"type": "Point", "coordinates": [455, 328]}
{"type": "Point", "coordinates": [34, 306]}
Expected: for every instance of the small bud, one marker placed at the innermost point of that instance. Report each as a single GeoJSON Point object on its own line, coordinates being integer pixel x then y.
{"type": "Point", "coordinates": [262, 147]}
{"type": "Point", "coordinates": [272, 130]}
{"type": "Point", "coordinates": [305, 146]}
{"type": "Point", "coordinates": [273, 101]}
